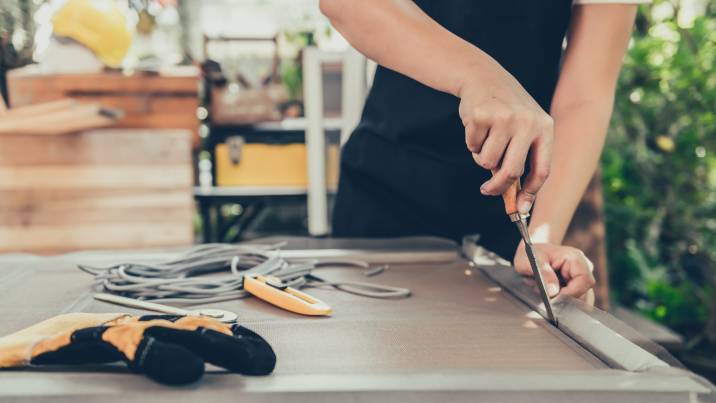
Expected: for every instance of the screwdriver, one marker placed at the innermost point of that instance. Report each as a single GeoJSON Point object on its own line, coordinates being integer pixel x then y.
{"type": "Point", "coordinates": [510, 199]}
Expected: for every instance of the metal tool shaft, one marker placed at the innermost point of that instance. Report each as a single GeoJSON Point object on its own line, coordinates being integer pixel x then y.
{"type": "Point", "coordinates": [510, 199]}
{"type": "Point", "coordinates": [135, 303]}
{"type": "Point", "coordinates": [521, 223]}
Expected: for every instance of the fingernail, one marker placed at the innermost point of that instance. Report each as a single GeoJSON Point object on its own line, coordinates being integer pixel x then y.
{"type": "Point", "coordinates": [483, 191]}
{"type": "Point", "coordinates": [552, 289]}
{"type": "Point", "coordinates": [525, 207]}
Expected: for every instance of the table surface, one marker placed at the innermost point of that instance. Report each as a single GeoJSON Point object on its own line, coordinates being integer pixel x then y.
{"type": "Point", "coordinates": [456, 335]}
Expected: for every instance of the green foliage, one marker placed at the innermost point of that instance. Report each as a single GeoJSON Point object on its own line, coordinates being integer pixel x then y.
{"type": "Point", "coordinates": [676, 305]}
{"type": "Point", "coordinates": [17, 30]}
{"type": "Point", "coordinates": [17, 25]}
{"type": "Point", "coordinates": [659, 173]}
{"type": "Point", "coordinates": [291, 71]}
{"type": "Point", "coordinates": [292, 78]}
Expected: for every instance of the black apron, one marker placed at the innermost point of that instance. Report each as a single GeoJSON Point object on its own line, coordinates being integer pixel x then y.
{"type": "Point", "coordinates": [406, 170]}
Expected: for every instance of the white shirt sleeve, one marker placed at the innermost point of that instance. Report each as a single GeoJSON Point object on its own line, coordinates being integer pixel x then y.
{"type": "Point", "coordinates": [611, 1]}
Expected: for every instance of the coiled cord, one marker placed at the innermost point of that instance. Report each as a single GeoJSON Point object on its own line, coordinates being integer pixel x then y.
{"type": "Point", "coordinates": [215, 272]}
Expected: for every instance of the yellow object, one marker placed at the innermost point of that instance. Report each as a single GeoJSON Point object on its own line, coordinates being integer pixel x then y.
{"type": "Point", "coordinates": [287, 298]}
{"type": "Point", "coordinates": [99, 25]}
{"type": "Point", "coordinates": [666, 143]}
{"type": "Point", "coordinates": [271, 165]}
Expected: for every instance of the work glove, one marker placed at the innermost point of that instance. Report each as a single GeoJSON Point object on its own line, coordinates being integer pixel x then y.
{"type": "Point", "coordinates": [168, 349]}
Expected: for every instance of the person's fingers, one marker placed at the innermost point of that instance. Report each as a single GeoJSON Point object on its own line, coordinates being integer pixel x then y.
{"type": "Point", "coordinates": [522, 267]}
{"type": "Point", "coordinates": [551, 282]}
{"type": "Point", "coordinates": [574, 262]}
{"type": "Point", "coordinates": [549, 275]}
{"type": "Point", "coordinates": [512, 166]}
{"type": "Point", "coordinates": [493, 147]}
{"type": "Point", "coordinates": [475, 135]}
{"type": "Point", "coordinates": [543, 253]}
{"type": "Point", "coordinates": [588, 298]}
{"type": "Point", "coordinates": [540, 164]}
{"type": "Point", "coordinates": [578, 285]}
{"type": "Point", "coordinates": [525, 201]}
{"type": "Point", "coordinates": [576, 269]}
{"type": "Point", "coordinates": [490, 157]}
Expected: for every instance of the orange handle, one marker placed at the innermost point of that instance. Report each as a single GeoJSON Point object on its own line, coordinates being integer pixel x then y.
{"type": "Point", "coordinates": [510, 196]}
{"type": "Point", "coordinates": [289, 298]}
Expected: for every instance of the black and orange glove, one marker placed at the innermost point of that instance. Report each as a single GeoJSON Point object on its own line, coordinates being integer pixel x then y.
{"type": "Point", "coordinates": [168, 349]}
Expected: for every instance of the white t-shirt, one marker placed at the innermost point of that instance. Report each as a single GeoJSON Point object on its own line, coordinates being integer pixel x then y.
{"type": "Point", "coordinates": [611, 1]}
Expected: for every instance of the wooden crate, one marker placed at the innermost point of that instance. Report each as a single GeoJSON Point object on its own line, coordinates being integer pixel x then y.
{"type": "Point", "coordinates": [163, 101]}
{"type": "Point", "coordinates": [107, 189]}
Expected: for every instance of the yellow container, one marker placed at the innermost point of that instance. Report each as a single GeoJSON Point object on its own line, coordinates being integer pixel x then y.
{"type": "Point", "coordinates": [270, 165]}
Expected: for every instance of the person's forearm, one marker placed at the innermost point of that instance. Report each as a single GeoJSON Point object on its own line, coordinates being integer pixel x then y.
{"type": "Point", "coordinates": [581, 110]}
{"type": "Point", "coordinates": [580, 130]}
{"type": "Point", "coordinates": [501, 119]}
{"type": "Point", "coordinates": [397, 34]}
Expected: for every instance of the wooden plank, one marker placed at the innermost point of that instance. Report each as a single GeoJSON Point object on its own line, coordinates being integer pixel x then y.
{"type": "Point", "coordinates": [162, 112]}
{"type": "Point", "coordinates": [148, 101]}
{"type": "Point", "coordinates": [37, 199]}
{"type": "Point", "coordinates": [141, 104]}
{"type": "Point", "coordinates": [163, 121]}
{"type": "Point", "coordinates": [99, 147]}
{"type": "Point", "coordinates": [40, 89]}
{"type": "Point", "coordinates": [29, 78]}
{"type": "Point", "coordinates": [173, 104]}
{"type": "Point", "coordinates": [38, 109]}
{"type": "Point", "coordinates": [92, 236]}
{"type": "Point", "coordinates": [46, 216]}
{"type": "Point", "coordinates": [99, 177]}
{"type": "Point", "coordinates": [74, 119]}
{"type": "Point", "coordinates": [99, 189]}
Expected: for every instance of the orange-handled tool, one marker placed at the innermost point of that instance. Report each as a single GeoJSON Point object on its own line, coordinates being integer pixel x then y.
{"type": "Point", "coordinates": [510, 199]}
{"type": "Point", "coordinates": [271, 290]}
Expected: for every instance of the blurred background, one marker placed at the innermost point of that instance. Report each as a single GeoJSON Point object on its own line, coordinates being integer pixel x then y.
{"type": "Point", "coordinates": [154, 123]}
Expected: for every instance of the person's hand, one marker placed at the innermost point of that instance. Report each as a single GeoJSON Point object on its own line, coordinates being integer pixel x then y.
{"type": "Point", "coordinates": [574, 267]}
{"type": "Point", "coordinates": [502, 124]}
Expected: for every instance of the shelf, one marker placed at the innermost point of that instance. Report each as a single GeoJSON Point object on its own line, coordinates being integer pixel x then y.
{"type": "Point", "coordinates": [297, 124]}
{"type": "Point", "coordinates": [251, 191]}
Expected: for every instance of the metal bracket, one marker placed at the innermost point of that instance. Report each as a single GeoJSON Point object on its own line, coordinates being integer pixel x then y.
{"type": "Point", "coordinates": [235, 145]}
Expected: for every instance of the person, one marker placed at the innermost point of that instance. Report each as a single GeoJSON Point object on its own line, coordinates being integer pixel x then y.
{"type": "Point", "coordinates": [464, 87]}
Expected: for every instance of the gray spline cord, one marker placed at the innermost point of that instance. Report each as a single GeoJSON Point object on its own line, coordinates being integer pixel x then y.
{"type": "Point", "coordinates": [215, 272]}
